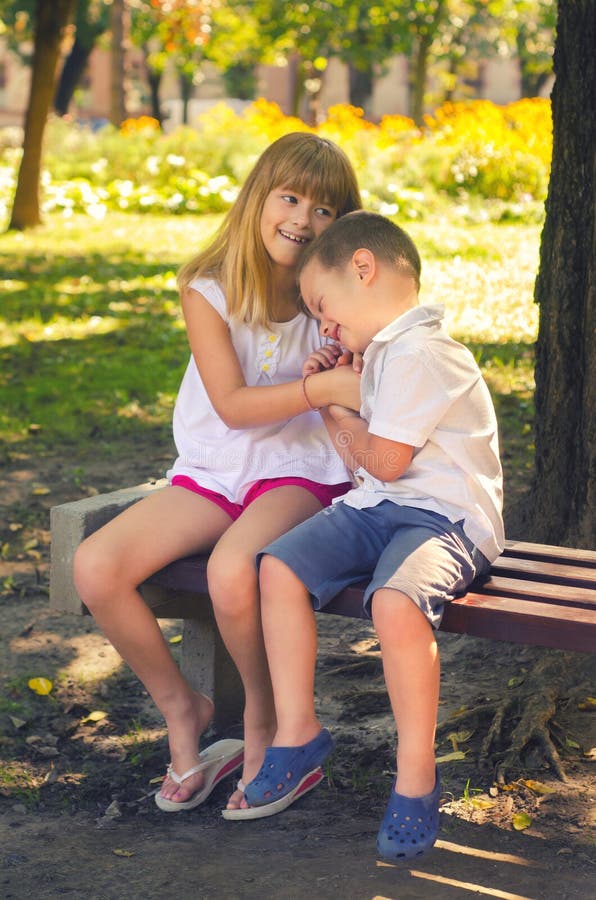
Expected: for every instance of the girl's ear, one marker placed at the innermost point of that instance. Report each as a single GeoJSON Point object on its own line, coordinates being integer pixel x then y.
{"type": "Point", "coordinates": [363, 264]}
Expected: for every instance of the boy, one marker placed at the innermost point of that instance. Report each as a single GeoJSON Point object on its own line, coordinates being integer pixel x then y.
{"type": "Point", "coordinates": [423, 520]}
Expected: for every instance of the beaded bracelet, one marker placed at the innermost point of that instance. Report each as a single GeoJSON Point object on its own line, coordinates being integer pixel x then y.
{"type": "Point", "coordinates": [308, 403]}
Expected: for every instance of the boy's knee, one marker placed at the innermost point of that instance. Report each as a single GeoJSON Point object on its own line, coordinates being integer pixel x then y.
{"type": "Point", "coordinates": [274, 574]}
{"type": "Point", "coordinates": [395, 613]}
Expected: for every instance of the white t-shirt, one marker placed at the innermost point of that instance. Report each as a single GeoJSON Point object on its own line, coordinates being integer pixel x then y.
{"type": "Point", "coordinates": [422, 388]}
{"type": "Point", "coordinates": [230, 460]}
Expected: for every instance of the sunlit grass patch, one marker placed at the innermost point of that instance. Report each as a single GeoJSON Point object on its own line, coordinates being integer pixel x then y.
{"type": "Point", "coordinates": [93, 345]}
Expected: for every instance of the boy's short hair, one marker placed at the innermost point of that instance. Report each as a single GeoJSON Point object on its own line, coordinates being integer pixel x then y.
{"type": "Point", "coordinates": [362, 229]}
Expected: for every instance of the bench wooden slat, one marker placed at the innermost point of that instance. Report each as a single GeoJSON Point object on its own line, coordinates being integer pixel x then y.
{"type": "Point", "coordinates": [545, 571]}
{"type": "Point", "coordinates": [549, 552]}
{"type": "Point", "coordinates": [568, 595]}
{"type": "Point", "coordinates": [512, 619]}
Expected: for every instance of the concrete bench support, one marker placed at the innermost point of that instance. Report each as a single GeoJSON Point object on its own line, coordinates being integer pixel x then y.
{"type": "Point", "coordinates": [205, 661]}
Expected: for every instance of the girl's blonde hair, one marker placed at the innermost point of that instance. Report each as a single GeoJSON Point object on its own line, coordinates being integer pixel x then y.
{"type": "Point", "coordinates": [237, 258]}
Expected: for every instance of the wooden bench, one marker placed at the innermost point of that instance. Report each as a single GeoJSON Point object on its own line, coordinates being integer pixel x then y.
{"type": "Point", "coordinates": [536, 594]}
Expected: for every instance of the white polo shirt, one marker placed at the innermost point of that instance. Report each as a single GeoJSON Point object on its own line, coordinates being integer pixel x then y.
{"type": "Point", "coordinates": [422, 388]}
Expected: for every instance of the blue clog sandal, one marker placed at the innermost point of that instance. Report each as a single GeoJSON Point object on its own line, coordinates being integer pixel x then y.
{"type": "Point", "coordinates": [410, 825]}
{"type": "Point", "coordinates": [287, 771]}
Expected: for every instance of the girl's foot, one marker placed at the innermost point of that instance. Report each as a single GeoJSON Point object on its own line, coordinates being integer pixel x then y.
{"type": "Point", "coordinates": [185, 726]}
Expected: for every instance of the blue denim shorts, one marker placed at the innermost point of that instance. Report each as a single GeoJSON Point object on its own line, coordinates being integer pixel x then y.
{"type": "Point", "coordinates": [415, 551]}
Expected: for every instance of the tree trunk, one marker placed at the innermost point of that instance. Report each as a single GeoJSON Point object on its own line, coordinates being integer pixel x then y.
{"type": "Point", "coordinates": [563, 495]}
{"type": "Point", "coordinates": [71, 75]}
{"type": "Point", "coordinates": [118, 103]}
{"type": "Point", "coordinates": [51, 19]}
{"type": "Point", "coordinates": [154, 82]}
{"type": "Point", "coordinates": [185, 92]}
{"type": "Point", "coordinates": [361, 86]}
{"type": "Point", "coordinates": [419, 78]}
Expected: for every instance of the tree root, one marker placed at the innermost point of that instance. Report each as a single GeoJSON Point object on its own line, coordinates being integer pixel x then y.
{"type": "Point", "coordinates": [522, 731]}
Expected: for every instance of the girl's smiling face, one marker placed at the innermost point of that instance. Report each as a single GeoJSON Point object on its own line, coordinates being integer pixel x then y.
{"type": "Point", "coordinates": [289, 221]}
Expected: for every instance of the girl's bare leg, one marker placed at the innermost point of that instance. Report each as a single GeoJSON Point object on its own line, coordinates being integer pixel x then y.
{"type": "Point", "coordinates": [109, 565]}
{"type": "Point", "coordinates": [411, 666]}
{"type": "Point", "coordinates": [233, 586]}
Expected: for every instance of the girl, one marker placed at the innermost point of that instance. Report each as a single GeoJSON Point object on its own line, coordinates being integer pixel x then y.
{"type": "Point", "coordinates": [254, 458]}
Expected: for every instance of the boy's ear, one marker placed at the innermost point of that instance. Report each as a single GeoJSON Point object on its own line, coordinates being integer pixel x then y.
{"type": "Point", "coordinates": [364, 264]}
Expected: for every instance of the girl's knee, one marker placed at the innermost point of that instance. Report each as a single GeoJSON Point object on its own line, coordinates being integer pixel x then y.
{"type": "Point", "coordinates": [232, 582]}
{"type": "Point", "coordinates": [95, 575]}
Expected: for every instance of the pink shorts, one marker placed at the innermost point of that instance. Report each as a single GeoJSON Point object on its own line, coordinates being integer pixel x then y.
{"type": "Point", "coordinates": [324, 493]}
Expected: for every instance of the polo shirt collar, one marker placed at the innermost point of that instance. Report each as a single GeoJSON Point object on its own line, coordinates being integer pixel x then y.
{"type": "Point", "coordinates": [425, 314]}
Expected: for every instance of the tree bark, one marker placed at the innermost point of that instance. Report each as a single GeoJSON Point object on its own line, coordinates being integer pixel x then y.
{"type": "Point", "coordinates": [51, 19]}
{"type": "Point", "coordinates": [118, 103]}
{"type": "Point", "coordinates": [563, 495]}
{"type": "Point", "coordinates": [361, 86]}
{"type": "Point", "coordinates": [71, 75]}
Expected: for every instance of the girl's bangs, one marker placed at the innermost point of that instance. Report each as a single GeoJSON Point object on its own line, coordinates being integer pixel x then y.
{"type": "Point", "coordinates": [323, 178]}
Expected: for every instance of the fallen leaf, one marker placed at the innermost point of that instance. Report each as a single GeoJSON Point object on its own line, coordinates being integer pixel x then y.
{"type": "Point", "coordinates": [515, 681]}
{"type": "Point", "coordinates": [96, 716]}
{"type": "Point", "coordinates": [569, 742]}
{"type": "Point", "coordinates": [177, 639]}
{"type": "Point", "coordinates": [119, 852]}
{"type": "Point", "coordinates": [537, 786]}
{"type": "Point", "coordinates": [480, 803]}
{"type": "Point", "coordinates": [17, 723]}
{"type": "Point", "coordinates": [40, 490]}
{"type": "Point", "coordinates": [40, 686]}
{"type": "Point", "coordinates": [521, 821]}
{"type": "Point", "coordinates": [15, 526]}
{"type": "Point", "coordinates": [587, 703]}
{"type": "Point", "coordinates": [451, 757]}
{"type": "Point", "coordinates": [510, 787]}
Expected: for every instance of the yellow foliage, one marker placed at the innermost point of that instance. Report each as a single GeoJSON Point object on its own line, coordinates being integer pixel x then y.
{"type": "Point", "coordinates": [142, 123]}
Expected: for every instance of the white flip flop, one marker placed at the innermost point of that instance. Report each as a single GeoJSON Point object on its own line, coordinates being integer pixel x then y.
{"type": "Point", "coordinates": [216, 762]}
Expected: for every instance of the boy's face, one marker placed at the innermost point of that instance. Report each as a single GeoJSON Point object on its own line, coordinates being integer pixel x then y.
{"type": "Point", "coordinates": [334, 298]}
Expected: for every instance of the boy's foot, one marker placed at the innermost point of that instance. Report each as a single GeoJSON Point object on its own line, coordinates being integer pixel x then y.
{"type": "Point", "coordinates": [287, 770]}
{"type": "Point", "coordinates": [410, 825]}
{"type": "Point", "coordinates": [256, 740]}
{"type": "Point", "coordinates": [270, 809]}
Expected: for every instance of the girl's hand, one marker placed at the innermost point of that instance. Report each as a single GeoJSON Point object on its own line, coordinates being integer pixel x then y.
{"type": "Point", "coordinates": [326, 357]}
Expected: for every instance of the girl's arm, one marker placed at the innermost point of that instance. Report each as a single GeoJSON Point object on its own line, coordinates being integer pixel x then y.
{"type": "Point", "coordinates": [238, 405]}
{"type": "Point", "coordinates": [382, 458]}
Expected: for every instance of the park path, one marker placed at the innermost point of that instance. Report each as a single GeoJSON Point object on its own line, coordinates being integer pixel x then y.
{"type": "Point", "coordinates": [316, 857]}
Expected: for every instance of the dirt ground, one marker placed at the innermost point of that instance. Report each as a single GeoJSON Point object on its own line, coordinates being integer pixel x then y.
{"type": "Point", "coordinates": [77, 816]}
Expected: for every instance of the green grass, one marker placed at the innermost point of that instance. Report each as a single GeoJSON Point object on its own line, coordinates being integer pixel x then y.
{"type": "Point", "coordinates": [92, 344]}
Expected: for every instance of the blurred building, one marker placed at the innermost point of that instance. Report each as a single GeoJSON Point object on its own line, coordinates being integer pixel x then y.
{"type": "Point", "coordinates": [498, 80]}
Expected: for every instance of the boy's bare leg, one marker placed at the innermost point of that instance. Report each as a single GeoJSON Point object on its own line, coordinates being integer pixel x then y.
{"type": "Point", "coordinates": [234, 590]}
{"type": "Point", "coordinates": [411, 666]}
{"type": "Point", "coordinates": [108, 567]}
{"type": "Point", "coordinates": [290, 633]}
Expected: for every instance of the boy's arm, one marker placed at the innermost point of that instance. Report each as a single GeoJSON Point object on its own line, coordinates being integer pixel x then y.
{"type": "Point", "coordinates": [382, 458]}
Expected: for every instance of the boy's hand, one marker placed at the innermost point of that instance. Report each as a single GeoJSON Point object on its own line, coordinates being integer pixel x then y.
{"type": "Point", "coordinates": [326, 357]}
{"type": "Point", "coordinates": [348, 357]}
